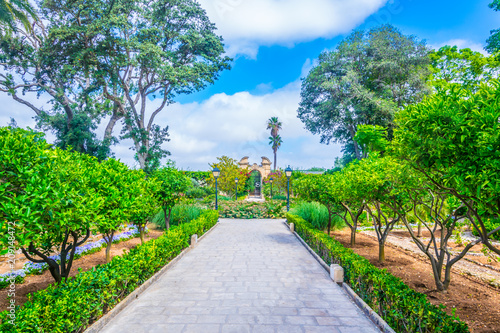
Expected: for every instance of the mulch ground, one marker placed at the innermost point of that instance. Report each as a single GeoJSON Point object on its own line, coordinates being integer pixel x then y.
{"type": "Point", "coordinates": [38, 282]}
{"type": "Point", "coordinates": [475, 302]}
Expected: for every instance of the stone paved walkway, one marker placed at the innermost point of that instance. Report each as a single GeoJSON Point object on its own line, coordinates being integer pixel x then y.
{"type": "Point", "coordinates": [245, 276]}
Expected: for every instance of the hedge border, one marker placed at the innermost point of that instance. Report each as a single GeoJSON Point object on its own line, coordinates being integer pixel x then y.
{"type": "Point", "coordinates": [404, 309]}
{"type": "Point", "coordinates": [375, 318]}
{"type": "Point", "coordinates": [104, 320]}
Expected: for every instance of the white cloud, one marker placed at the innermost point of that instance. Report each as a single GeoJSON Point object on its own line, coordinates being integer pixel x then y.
{"type": "Point", "coordinates": [462, 44]}
{"type": "Point", "coordinates": [248, 24]}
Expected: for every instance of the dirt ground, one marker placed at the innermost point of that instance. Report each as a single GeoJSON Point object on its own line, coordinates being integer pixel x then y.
{"type": "Point", "coordinates": [475, 302]}
{"type": "Point", "coordinates": [38, 282]}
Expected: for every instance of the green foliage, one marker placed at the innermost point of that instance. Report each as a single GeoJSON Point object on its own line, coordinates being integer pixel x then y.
{"type": "Point", "coordinates": [198, 192]}
{"type": "Point", "coordinates": [229, 171]}
{"type": "Point", "coordinates": [71, 307]}
{"type": "Point", "coordinates": [453, 138]}
{"type": "Point", "coordinates": [466, 67]}
{"type": "Point", "coordinates": [173, 184]}
{"type": "Point", "coordinates": [112, 58]}
{"type": "Point", "coordinates": [371, 138]}
{"type": "Point", "coordinates": [493, 42]}
{"type": "Point", "coordinates": [312, 212]}
{"type": "Point", "coordinates": [490, 224]}
{"type": "Point", "coordinates": [13, 12]}
{"type": "Point", "coordinates": [404, 309]}
{"type": "Point", "coordinates": [364, 81]}
{"type": "Point", "coordinates": [201, 177]}
{"type": "Point", "coordinates": [181, 213]}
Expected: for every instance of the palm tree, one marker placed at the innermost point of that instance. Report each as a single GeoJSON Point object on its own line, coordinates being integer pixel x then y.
{"type": "Point", "coordinates": [14, 11]}
{"type": "Point", "coordinates": [276, 143]}
{"type": "Point", "coordinates": [274, 125]}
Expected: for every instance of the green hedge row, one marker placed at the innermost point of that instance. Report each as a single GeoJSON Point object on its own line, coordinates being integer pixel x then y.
{"type": "Point", "coordinates": [72, 306]}
{"type": "Point", "coordinates": [404, 309]}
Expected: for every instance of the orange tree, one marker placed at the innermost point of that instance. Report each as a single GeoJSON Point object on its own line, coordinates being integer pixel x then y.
{"type": "Point", "coordinates": [173, 184]}
{"type": "Point", "coordinates": [319, 188]}
{"type": "Point", "coordinates": [46, 202]}
{"type": "Point", "coordinates": [453, 139]}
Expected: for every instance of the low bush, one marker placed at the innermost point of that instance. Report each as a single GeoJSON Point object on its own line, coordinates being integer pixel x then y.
{"type": "Point", "coordinates": [404, 309]}
{"type": "Point", "coordinates": [198, 192]}
{"type": "Point", "coordinates": [313, 212]}
{"type": "Point", "coordinates": [181, 213]}
{"type": "Point", "coordinates": [72, 306]}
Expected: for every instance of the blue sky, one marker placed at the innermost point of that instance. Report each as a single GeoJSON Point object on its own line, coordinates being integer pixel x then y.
{"type": "Point", "coordinates": [274, 43]}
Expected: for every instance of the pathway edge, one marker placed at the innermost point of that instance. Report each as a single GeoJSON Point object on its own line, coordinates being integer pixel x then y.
{"type": "Point", "coordinates": [104, 320]}
{"type": "Point", "coordinates": [374, 317]}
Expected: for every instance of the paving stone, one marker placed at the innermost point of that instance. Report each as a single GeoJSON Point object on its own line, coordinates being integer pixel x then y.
{"type": "Point", "coordinates": [245, 276]}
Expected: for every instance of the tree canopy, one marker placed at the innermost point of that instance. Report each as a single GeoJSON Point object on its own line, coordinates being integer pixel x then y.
{"type": "Point", "coordinates": [364, 81]}
{"type": "Point", "coordinates": [115, 61]}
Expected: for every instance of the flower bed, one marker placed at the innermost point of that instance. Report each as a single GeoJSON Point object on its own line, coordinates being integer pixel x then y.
{"type": "Point", "coordinates": [252, 210]}
{"type": "Point", "coordinates": [31, 268]}
{"type": "Point", "coordinates": [404, 309]}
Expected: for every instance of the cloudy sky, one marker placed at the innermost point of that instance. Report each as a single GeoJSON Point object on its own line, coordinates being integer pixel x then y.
{"type": "Point", "coordinates": [274, 44]}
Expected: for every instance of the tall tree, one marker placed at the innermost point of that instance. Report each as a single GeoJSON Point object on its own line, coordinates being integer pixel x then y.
{"type": "Point", "coordinates": [275, 142]}
{"type": "Point", "coordinates": [493, 42]}
{"type": "Point", "coordinates": [274, 125]}
{"type": "Point", "coordinates": [364, 81]}
{"type": "Point", "coordinates": [115, 59]}
{"type": "Point", "coordinates": [13, 12]}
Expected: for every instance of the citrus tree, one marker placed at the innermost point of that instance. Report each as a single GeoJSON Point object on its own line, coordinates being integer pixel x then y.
{"type": "Point", "coordinates": [453, 139]}
{"type": "Point", "coordinates": [146, 201]}
{"type": "Point", "coordinates": [113, 185]}
{"type": "Point", "coordinates": [319, 188]}
{"type": "Point", "coordinates": [47, 200]}
{"type": "Point", "coordinates": [173, 184]}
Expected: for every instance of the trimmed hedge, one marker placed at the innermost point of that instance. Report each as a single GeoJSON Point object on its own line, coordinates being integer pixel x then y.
{"type": "Point", "coordinates": [72, 306]}
{"type": "Point", "coordinates": [404, 309]}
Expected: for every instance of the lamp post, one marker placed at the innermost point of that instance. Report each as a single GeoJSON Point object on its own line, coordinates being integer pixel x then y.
{"type": "Point", "coordinates": [236, 181]}
{"type": "Point", "coordinates": [271, 180]}
{"type": "Point", "coordinates": [288, 173]}
{"type": "Point", "coordinates": [216, 173]}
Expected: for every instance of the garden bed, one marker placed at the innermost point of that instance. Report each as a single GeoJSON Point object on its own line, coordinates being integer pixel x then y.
{"type": "Point", "coordinates": [475, 302]}
{"type": "Point", "coordinates": [38, 282]}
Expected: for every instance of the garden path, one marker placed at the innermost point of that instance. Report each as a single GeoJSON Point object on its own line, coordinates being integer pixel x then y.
{"type": "Point", "coordinates": [245, 276]}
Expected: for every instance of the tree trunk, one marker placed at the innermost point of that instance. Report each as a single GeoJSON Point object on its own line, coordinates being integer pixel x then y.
{"type": "Point", "coordinates": [275, 161]}
{"type": "Point", "coordinates": [167, 217]}
{"type": "Point", "coordinates": [353, 236]}
{"type": "Point", "coordinates": [329, 221]}
{"type": "Point", "coordinates": [141, 232]}
{"type": "Point", "coordinates": [381, 252]}
{"type": "Point", "coordinates": [108, 251]}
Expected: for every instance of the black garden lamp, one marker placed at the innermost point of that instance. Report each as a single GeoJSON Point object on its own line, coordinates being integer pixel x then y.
{"type": "Point", "coordinates": [216, 173]}
{"type": "Point", "coordinates": [288, 174]}
{"type": "Point", "coordinates": [236, 182]}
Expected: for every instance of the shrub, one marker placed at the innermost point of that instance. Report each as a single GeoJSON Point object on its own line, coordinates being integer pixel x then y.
{"type": "Point", "coordinates": [198, 192]}
{"type": "Point", "coordinates": [72, 306]}
{"type": "Point", "coordinates": [312, 212]}
{"type": "Point", "coordinates": [181, 213]}
{"type": "Point", "coordinates": [404, 309]}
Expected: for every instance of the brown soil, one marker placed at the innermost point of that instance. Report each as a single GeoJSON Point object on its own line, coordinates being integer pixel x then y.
{"type": "Point", "coordinates": [38, 282]}
{"type": "Point", "coordinates": [475, 302]}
